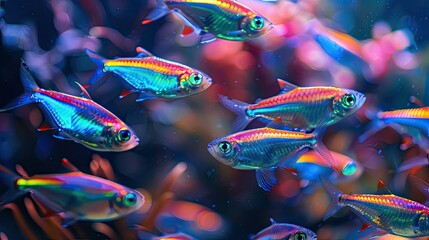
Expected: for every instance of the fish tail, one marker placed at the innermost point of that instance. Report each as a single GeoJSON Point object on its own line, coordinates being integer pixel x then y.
{"type": "Point", "coordinates": [335, 194]}
{"type": "Point", "coordinates": [30, 86]}
{"type": "Point", "coordinates": [158, 12]}
{"type": "Point", "coordinates": [99, 61]}
{"type": "Point", "coordinates": [238, 108]}
{"type": "Point", "coordinates": [8, 188]}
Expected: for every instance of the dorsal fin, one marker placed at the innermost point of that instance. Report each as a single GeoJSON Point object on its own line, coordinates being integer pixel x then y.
{"type": "Point", "coordinates": [272, 221]}
{"type": "Point", "coordinates": [285, 86]}
{"type": "Point", "coordinates": [65, 162]}
{"type": "Point", "coordinates": [84, 92]}
{"type": "Point", "coordinates": [142, 53]}
{"type": "Point", "coordinates": [382, 189]}
{"type": "Point", "coordinates": [258, 100]}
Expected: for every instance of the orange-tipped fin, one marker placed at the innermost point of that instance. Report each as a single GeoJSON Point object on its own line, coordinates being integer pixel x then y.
{"type": "Point", "coordinates": [364, 226]}
{"type": "Point", "coordinates": [126, 92]}
{"type": "Point", "coordinates": [382, 189]}
{"type": "Point", "coordinates": [187, 30]}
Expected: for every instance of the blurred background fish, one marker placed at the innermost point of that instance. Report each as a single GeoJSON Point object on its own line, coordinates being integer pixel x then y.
{"type": "Point", "coordinates": [284, 231]}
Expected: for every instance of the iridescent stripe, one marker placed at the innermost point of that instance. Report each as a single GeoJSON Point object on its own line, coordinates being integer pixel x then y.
{"type": "Point", "coordinates": [268, 133]}
{"type": "Point", "coordinates": [153, 63]}
{"type": "Point", "coordinates": [406, 113]}
{"type": "Point", "coordinates": [396, 202]}
{"type": "Point", "coordinates": [301, 95]}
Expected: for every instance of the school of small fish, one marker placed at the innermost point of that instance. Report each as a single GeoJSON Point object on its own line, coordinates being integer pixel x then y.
{"type": "Point", "coordinates": [290, 134]}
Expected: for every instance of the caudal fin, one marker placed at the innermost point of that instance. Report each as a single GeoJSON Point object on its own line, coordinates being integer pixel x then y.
{"type": "Point", "coordinates": [99, 61]}
{"type": "Point", "coordinates": [8, 190]}
{"type": "Point", "coordinates": [238, 108]}
{"type": "Point", "coordinates": [335, 194]}
{"type": "Point", "coordinates": [30, 86]}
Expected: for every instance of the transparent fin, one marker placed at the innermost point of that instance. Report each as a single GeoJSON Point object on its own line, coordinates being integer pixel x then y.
{"type": "Point", "coordinates": [335, 194]}
{"type": "Point", "coordinates": [238, 108]}
{"type": "Point", "coordinates": [266, 178]}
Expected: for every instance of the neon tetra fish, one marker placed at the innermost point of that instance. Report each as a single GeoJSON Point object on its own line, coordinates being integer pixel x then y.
{"type": "Point", "coordinates": [284, 231]}
{"type": "Point", "coordinates": [389, 213]}
{"type": "Point", "coordinates": [211, 19]}
{"type": "Point", "coordinates": [75, 118]}
{"type": "Point", "coordinates": [299, 107]}
{"type": "Point", "coordinates": [74, 195]}
{"type": "Point", "coordinates": [265, 149]}
{"type": "Point", "coordinates": [153, 77]}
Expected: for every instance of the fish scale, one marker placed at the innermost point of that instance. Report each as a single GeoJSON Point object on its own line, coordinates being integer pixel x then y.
{"type": "Point", "coordinates": [151, 80]}
{"type": "Point", "coordinates": [63, 110]}
{"type": "Point", "coordinates": [304, 95]}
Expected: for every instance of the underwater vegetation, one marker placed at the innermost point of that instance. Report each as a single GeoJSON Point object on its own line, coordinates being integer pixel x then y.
{"type": "Point", "coordinates": [210, 119]}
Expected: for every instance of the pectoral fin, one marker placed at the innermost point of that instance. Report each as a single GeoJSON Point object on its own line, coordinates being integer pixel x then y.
{"type": "Point", "coordinates": [266, 178]}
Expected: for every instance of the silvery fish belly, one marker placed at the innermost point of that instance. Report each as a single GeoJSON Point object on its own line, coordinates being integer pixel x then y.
{"type": "Point", "coordinates": [82, 196]}
{"type": "Point", "coordinates": [77, 118]}
{"type": "Point", "coordinates": [153, 77]}
{"type": "Point", "coordinates": [224, 19]}
{"type": "Point", "coordinates": [298, 107]}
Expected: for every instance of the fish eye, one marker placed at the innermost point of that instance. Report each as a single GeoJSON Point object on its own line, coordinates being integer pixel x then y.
{"type": "Point", "coordinates": [124, 135]}
{"type": "Point", "coordinates": [257, 23]}
{"type": "Point", "coordinates": [348, 100]}
{"type": "Point", "coordinates": [195, 79]}
{"type": "Point", "coordinates": [224, 147]}
{"type": "Point", "coordinates": [129, 200]}
{"type": "Point", "coordinates": [349, 169]}
{"type": "Point", "coordinates": [300, 236]}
